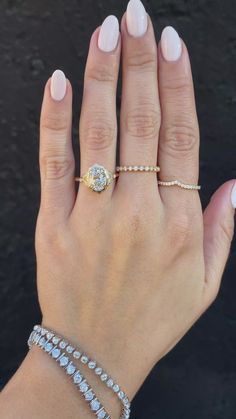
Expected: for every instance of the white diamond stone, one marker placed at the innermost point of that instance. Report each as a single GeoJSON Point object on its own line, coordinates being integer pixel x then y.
{"type": "Point", "coordinates": [70, 349]}
{"type": "Point", "coordinates": [56, 353]}
{"type": "Point", "coordinates": [84, 359]}
{"type": "Point", "coordinates": [70, 369]}
{"type": "Point", "coordinates": [62, 344]}
{"type": "Point", "coordinates": [110, 383]}
{"type": "Point", "coordinates": [42, 342]}
{"type": "Point", "coordinates": [55, 340]}
{"type": "Point", "coordinates": [63, 361]}
{"type": "Point", "coordinates": [89, 395]}
{"type": "Point", "coordinates": [116, 388]}
{"type": "Point", "coordinates": [121, 394]}
{"type": "Point", "coordinates": [48, 347]}
{"type": "Point", "coordinates": [77, 378]}
{"type": "Point", "coordinates": [98, 371]}
{"type": "Point", "coordinates": [76, 354]}
{"type": "Point", "coordinates": [83, 387]}
{"type": "Point", "coordinates": [43, 332]}
{"type": "Point", "coordinates": [104, 377]}
{"type": "Point", "coordinates": [95, 405]}
{"type": "Point", "coordinates": [101, 414]}
{"type": "Point", "coordinates": [49, 335]}
{"type": "Point", "coordinates": [92, 365]}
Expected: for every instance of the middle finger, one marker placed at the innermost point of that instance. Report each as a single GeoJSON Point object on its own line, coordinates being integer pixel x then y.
{"type": "Point", "coordinates": [140, 109]}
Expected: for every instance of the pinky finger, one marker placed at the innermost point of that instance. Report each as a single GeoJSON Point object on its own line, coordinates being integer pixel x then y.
{"type": "Point", "coordinates": [56, 154]}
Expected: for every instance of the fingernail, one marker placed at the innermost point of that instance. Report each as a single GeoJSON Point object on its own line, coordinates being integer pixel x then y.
{"type": "Point", "coordinates": [233, 196]}
{"type": "Point", "coordinates": [109, 34]}
{"type": "Point", "coordinates": [58, 85]}
{"type": "Point", "coordinates": [136, 18]}
{"type": "Point", "coordinates": [171, 44]}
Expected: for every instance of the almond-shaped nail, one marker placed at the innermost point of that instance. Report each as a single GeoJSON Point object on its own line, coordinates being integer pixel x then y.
{"type": "Point", "coordinates": [109, 34]}
{"type": "Point", "coordinates": [58, 85]}
{"type": "Point", "coordinates": [171, 44]}
{"type": "Point", "coordinates": [136, 18]}
{"type": "Point", "coordinates": [233, 196]}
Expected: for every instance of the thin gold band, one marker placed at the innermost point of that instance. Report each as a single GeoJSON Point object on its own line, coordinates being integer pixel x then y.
{"type": "Point", "coordinates": [138, 169]}
{"type": "Point", "coordinates": [179, 184]}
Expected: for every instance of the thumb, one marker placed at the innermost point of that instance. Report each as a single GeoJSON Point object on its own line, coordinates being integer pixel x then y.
{"type": "Point", "coordinates": [218, 221]}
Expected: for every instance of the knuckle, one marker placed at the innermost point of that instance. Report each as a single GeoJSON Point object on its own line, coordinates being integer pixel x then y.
{"type": "Point", "coordinates": [57, 122]}
{"type": "Point", "coordinates": [56, 167]}
{"type": "Point", "coordinates": [101, 73]}
{"type": "Point", "coordinates": [98, 134]}
{"type": "Point", "coordinates": [180, 138]}
{"type": "Point", "coordinates": [143, 122]}
{"type": "Point", "coordinates": [139, 60]}
{"type": "Point", "coordinates": [178, 86]}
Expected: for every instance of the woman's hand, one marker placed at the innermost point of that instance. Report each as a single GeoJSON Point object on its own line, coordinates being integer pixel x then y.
{"type": "Point", "coordinates": [126, 273]}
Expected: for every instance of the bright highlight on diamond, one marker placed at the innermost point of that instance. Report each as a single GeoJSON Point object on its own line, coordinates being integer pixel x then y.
{"type": "Point", "coordinates": [97, 178]}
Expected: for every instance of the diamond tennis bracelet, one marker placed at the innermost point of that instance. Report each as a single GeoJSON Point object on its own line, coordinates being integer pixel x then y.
{"type": "Point", "coordinates": [61, 352]}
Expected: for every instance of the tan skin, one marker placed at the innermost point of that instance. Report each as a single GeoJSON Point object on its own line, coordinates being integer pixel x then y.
{"type": "Point", "coordinates": [127, 272]}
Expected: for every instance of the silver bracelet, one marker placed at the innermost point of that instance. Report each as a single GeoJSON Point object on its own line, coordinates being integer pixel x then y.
{"type": "Point", "coordinates": [44, 342]}
{"type": "Point", "coordinates": [52, 338]}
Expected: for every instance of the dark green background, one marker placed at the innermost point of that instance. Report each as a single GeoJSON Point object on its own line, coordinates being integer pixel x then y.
{"type": "Point", "coordinates": [198, 379]}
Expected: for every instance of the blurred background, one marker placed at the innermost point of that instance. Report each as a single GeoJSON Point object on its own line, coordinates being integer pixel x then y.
{"type": "Point", "coordinates": [198, 378]}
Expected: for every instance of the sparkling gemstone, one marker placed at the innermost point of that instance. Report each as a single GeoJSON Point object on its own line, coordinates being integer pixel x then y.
{"type": "Point", "coordinates": [147, 168]}
{"type": "Point", "coordinates": [110, 383]}
{"type": "Point", "coordinates": [116, 388]}
{"type": "Point", "coordinates": [43, 332]}
{"type": "Point", "coordinates": [55, 340]}
{"type": "Point", "coordinates": [83, 387]}
{"type": "Point", "coordinates": [92, 365]}
{"type": "Point", "coordinates": [101, 414]}
{"type": "Point", "coordinates": [89, 395]}
{"type": "Point", "coordinates": [104, 377]}
{"type": "Point", "coordinates": [70, 349]}
{"type": "Point", "coordinates": [76, 354]}
{"type": "Point", "coordinates": [63, 361]}
{"type": "Point", "coordinates": [49, 335]}
{"type": "Point", "coordinates": [62, 344]}
{"type": "Point", "coordinates": [48, 347]}
{"type": "Point", "coordinates": [42, 342]}
{"type": "Point", "coordinates": [36, 327]}
{"type": "Point", "coordinates": [71, 369]}
{"type": "Point", "coordinates": [98, 371]}
{"type": "Point", "coordinates": [77, 378]}
{"type": "Point", "coordinates": [136, 168]}
{"type": "Point", "coordinates": [56, 353]}
{"type": "Point", "coordinates": [84, 359]}
{"type": "Point", "coordinates": [141, 168]}
{"type": "Point", "coordinates": [121, 394]}
{"type": "Point", "coordinates": [98, 178]}
{"type": "Point", "coordinates": [95, 405]}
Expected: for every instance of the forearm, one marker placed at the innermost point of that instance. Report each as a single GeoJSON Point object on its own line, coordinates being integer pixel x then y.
{"type": "Point", "coordinates": [41, 389]}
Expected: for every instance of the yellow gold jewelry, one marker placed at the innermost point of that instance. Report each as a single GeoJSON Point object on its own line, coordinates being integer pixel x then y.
{"type": "Point", "coordinates": [138, 169]}
{"type": "Point", "coordinates": [179, 184]}
{"type": "Point", "coordinates": [97, 178]}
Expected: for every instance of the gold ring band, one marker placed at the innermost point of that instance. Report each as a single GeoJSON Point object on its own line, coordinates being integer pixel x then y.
{"type": "Point", "coordinates": [120, 169]}
{"type": "Point", "coordinates": [179, 184]}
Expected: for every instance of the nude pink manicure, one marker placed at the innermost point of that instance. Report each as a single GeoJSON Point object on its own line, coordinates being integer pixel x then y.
{"type": "Point", "coordinates": [58, 85]}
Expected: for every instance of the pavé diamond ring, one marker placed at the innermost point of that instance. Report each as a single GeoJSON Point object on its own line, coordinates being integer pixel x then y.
{"type": "Point", "coordinates": [97, 178]}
